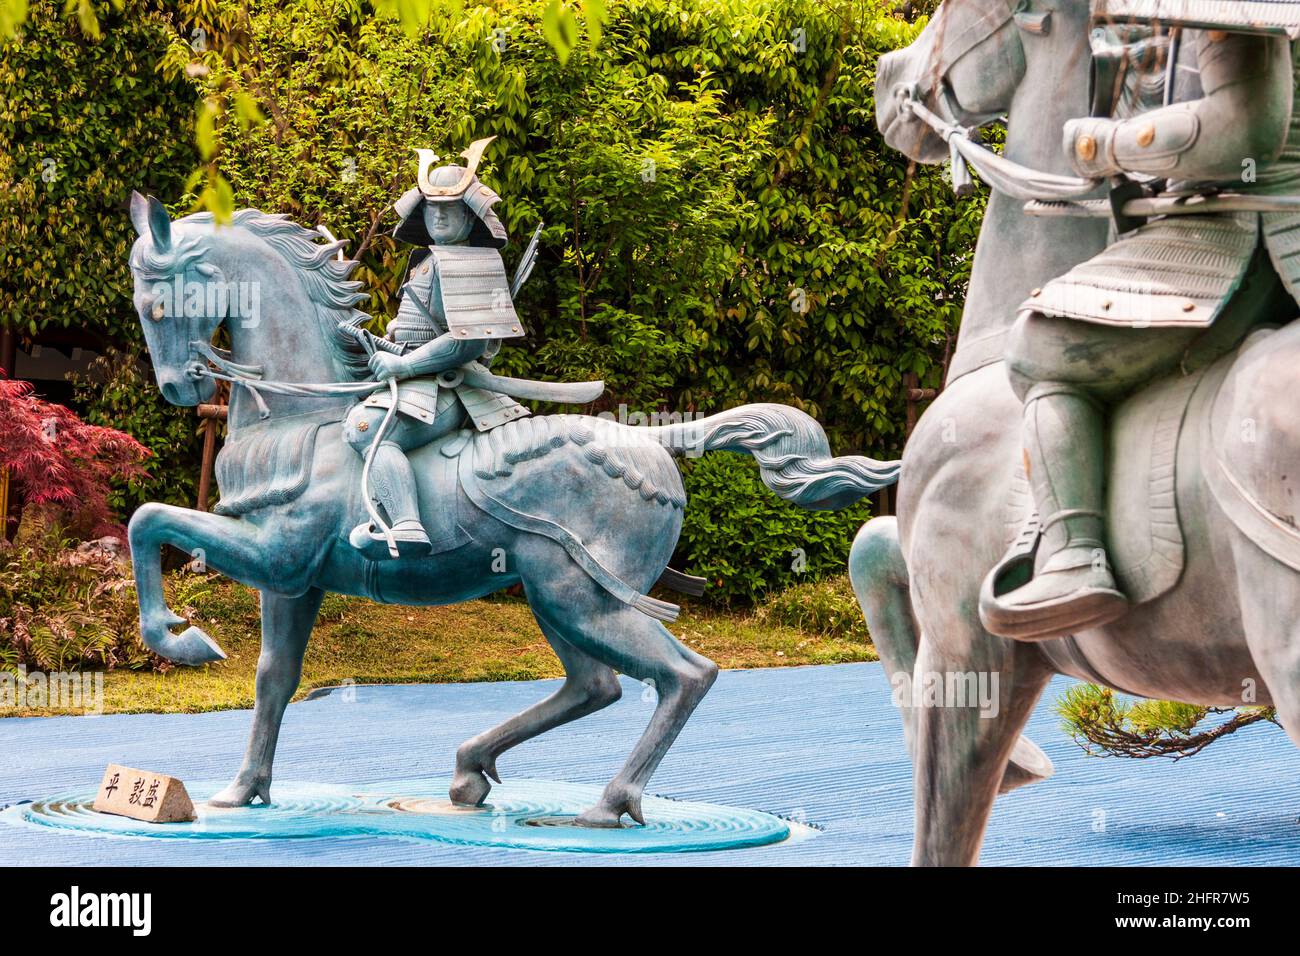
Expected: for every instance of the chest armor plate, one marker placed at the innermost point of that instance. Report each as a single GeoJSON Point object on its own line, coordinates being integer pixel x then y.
{"type": "Point", "coordinates": [418, 318]}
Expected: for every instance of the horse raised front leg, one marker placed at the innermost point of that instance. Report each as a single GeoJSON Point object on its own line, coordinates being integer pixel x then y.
{"type": "Point", "coordinates": [286, 628]}
{"type": "Point", "coordinates": [227, 545]}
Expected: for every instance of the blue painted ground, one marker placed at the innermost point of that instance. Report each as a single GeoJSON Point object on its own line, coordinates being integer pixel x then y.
{"type": "Point", "coordinates": [819, 744]}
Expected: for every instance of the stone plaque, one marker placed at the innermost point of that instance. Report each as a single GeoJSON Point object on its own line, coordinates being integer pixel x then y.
{"type": "Point", "coordinates": [144, 795]}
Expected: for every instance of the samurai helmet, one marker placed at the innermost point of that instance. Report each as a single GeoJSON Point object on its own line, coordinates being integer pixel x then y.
{"type": "Point", "coordinates": [451, 183]}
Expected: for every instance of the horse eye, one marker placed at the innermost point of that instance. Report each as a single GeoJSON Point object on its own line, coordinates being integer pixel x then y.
{"type": "Point", "coordinates": [158, 311]}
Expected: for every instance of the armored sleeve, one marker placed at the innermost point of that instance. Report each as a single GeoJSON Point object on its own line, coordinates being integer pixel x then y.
{"type": "Point", "coordinates": [441, 354]}
{"type": "Point", "coordinates": [1243, 115]}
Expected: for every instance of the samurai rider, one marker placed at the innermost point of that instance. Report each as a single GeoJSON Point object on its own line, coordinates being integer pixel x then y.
{"type": "Point", "coordinates": [1171, 292]}
{"type": "Point", "coordinates": [455, 309]}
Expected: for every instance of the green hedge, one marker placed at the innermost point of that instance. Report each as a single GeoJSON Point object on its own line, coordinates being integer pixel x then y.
{"type": "Point", "coordinates": [747, 542]}
{"type": "Point", "coordinates": [83, 121]}
{"type": "Point", "coordinates": [724, 223]}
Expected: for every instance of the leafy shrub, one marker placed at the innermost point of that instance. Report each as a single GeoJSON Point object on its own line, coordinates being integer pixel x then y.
{"type": "Point", "coordinates": [724, 222]}
{"type": "Point", "coordinates": [85, 117]}
{"type": "Point", "coordinates": [118, 390]}
{"type": "Point", "coordinates": [748, 542]}
{"type": "Point", "coordinates": [61, 463]}
{"type": "Point", "coordinates": [827, 607]}
{"type": "Point", "coordinates": [63, 608]}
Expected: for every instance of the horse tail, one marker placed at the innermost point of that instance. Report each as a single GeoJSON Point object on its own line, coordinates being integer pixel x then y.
{"type": "Point", "coordinates": [792, 452]}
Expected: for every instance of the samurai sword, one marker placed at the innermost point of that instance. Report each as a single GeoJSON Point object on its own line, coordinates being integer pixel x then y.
{"type": "Point", "coordinates": [1195, 205]}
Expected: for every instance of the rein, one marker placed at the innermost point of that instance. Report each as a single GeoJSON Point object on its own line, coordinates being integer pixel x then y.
{"type": "Point", "coordinates": [1049, 194]}
{"type": "Point", "coordinates": [1016, 181]}
{"type": "Point", "coordinates": [250, 377]}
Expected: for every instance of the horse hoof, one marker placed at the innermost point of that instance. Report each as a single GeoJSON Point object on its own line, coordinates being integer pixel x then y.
{"type": "Point", "coordinates": [1028, 764]}
{"type": "Point", "coordinates": [469, 788]}
{"type": "Point", "coordinates": [191, 647]}
{"type": "Point", "coordinates": [600, 818]}
{"type": "Point", "coordinates": [241, 794]}
{"type": "Point", "coordinates": [608, 813]}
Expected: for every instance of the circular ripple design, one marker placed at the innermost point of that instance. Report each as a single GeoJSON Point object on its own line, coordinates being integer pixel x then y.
{"type": "Point", "coordinates": [519, 814]}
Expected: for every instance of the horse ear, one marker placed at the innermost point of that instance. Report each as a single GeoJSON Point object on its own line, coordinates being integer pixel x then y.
{"type": "Point", "coordinates": [139, 213]}
{"type": "Point", "coordinates": [160, 224]}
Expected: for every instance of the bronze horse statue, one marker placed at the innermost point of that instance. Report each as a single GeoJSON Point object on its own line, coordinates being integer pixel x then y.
{"type": "Point", "coordinates": [582, 511]}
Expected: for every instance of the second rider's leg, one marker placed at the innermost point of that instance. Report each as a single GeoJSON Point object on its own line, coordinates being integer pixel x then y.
{"type": "Point", "coordinates": [1067, 372]}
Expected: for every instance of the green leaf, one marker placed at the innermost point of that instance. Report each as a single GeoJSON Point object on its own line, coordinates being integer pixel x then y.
{"type": "Point", "coordinates": [247, 111]}
{"type": "Point", "coordinates": [597, 16]}
{"type": "Point", "coordinates": [13, 14]}
{"type": "Point", "coordinates": [223, 204]}
{"type": "Point", "coordinates": [414, 15]}
{"type": "Point", "coordinates": [558, 29]}
{"type": "Point", "coordinates": [86, 18]}
{"type": "Point", "coordinates": [205, 128]}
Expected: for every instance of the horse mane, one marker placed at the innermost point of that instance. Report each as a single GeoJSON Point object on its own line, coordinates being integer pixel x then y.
{"type": "Point", "coordinates": [324, 276]}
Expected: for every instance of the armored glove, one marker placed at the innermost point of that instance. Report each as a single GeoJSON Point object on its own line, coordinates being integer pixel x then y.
{"type": "Point", "coordinates": [386, 365]}
{"type": "Point", "coordinates": [1100, 147]}
{"type": "Point", "coordinates": [1244, 115]}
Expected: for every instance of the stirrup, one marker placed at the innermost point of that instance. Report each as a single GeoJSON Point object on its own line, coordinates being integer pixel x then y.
{"type": "Point", "coordinates": [1043, 620]}
{"type": "Point", "coordinates": [411, 541]}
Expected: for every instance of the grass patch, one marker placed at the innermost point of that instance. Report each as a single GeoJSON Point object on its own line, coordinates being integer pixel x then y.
{"type": "Point", "coordinates": [489, 640]}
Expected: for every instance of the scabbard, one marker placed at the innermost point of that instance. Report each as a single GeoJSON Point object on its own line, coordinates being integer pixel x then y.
{"type": "Point", "coordinates": [569, 393]}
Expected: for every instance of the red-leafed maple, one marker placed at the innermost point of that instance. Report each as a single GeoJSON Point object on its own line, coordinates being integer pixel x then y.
{"type": "Point", "coordinates": [60, 462]}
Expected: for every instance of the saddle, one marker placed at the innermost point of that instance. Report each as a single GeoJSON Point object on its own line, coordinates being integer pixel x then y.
{"type": "Point", "coordinates": [272, 466]}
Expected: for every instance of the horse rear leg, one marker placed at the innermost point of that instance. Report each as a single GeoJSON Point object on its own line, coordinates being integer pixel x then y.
{"type": "Point", "coordinates": [588, 687]}
{"type": "Point", "coordinates": [880, 581]}
{"type": "Point", "coordinates": [1270, 611]}
{"type": "Point", "coordinates": [286, 628]}
{"type": "Point", "coordinates": [879, 576]}
{"type": "Point", "coordinates": [626, 639]}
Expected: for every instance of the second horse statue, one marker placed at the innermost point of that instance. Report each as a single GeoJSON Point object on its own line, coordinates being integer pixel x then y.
{"type": "Point", "coordinates": [1154, 369]}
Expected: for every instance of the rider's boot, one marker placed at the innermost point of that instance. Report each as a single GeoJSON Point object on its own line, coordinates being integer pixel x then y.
{"type": "Point", "coordinates": [392, 485]}
{"type": "Point", "coordinates": [1072, 587]}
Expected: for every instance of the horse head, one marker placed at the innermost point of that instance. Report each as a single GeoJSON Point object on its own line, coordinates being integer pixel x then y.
{"type": "Point", "coordinates": [165, 263]}
{"type": "Point", "coordinates": [283, 296]}
{"type": "Point", "coordinates": [966, 66]}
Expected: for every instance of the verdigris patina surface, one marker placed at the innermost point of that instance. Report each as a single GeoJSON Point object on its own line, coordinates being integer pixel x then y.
{"type": "Point", "coordinates": [1110, 440]}
{"type": "Point", "coordinates": [467, 492]}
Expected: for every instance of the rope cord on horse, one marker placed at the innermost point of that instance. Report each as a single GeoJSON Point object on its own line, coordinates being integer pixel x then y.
{"type": "Point", "coordinates": [1050, 194]}
{"type": "Point", "coordinates": [250, 378]}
